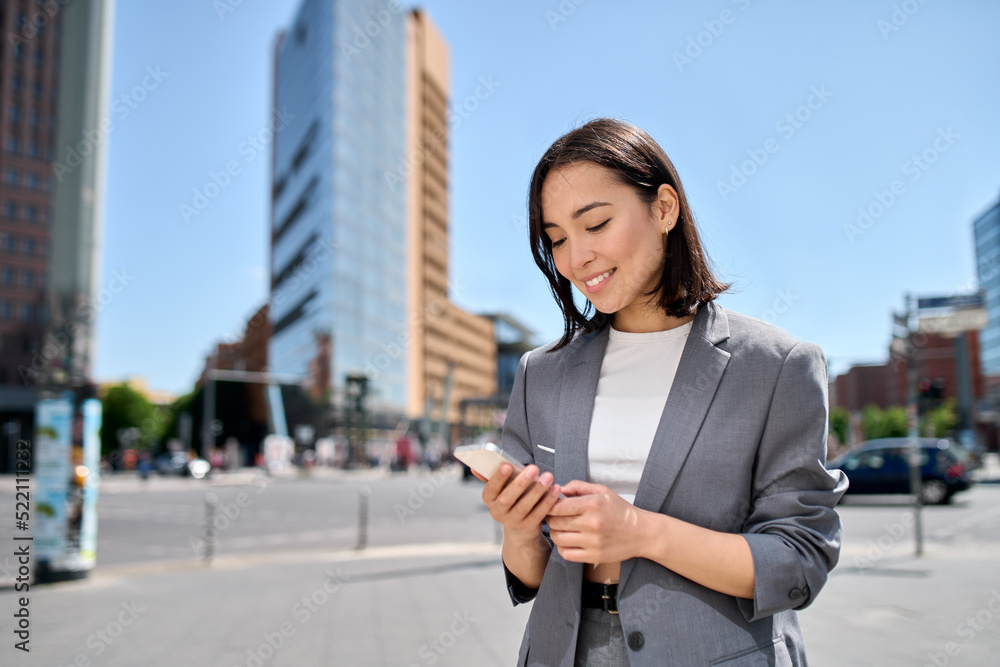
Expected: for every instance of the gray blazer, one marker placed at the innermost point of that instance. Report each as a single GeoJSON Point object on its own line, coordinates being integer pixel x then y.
{"type": "Point", "coordinates": [740, 448]}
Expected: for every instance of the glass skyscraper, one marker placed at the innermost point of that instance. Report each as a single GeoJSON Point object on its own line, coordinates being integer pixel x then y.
{"type": "Point", "coordinates": [339, 227]}
{"type": "Point", "coordinates": [987, 233]}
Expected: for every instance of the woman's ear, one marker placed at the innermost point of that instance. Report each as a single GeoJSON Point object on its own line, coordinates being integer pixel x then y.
{"type": "Point", "coordinates": [667, 207]}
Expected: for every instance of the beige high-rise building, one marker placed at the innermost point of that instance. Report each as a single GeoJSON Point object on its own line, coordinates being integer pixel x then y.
{"type": "Point", "coordinates": [444, 339]}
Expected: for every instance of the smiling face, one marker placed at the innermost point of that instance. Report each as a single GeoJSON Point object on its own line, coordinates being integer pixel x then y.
{"type": "Point", "coordinates": [608, 242]}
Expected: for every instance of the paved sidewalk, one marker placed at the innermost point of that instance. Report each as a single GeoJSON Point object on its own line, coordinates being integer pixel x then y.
{"type": "Point", "coordinates": [445, 604]}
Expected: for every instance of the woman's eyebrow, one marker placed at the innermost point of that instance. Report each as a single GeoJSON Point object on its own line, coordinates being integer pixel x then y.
{"type": "Point", "coordinates": [580, 211]}
{"type": "Point", "coordinates": [586, 208]}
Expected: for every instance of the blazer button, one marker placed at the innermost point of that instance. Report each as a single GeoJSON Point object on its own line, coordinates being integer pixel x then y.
{"type": "Point", "coordinates": [795, 594]}
{"type": "Point", "coordinates": [636, 641]}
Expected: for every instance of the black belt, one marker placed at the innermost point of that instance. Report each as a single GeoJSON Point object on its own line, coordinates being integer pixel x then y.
{"type": "Point", "coordinates": [600, 596]}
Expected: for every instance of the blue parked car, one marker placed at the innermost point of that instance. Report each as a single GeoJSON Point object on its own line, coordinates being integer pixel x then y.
{"type": "Point", "coordinates": [882, 466]}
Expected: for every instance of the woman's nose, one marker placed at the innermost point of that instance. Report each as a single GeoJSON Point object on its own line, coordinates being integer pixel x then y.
{"type": "Point", "coordinates": [580, 253]}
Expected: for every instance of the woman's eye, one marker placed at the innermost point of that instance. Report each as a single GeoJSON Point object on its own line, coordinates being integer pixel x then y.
{"type": "Point", "coordinates": [599, 227]}
{"type": "Point", "coordinates": [556, 244]}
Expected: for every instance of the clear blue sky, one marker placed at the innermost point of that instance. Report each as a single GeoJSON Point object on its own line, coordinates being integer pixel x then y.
{"type": "Point", "coordinates": [881, 92]}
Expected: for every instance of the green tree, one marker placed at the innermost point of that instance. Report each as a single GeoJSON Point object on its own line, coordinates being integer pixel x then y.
{"type": "Point", "coordinates": [190, 403]}
{"type": "Point", "coordinates": [942, 420]}
{"type": "Point", "coordinates": [888, 423]}
{"type": "Point", "coordinates": [840, 424]}
{"type": "Point", "coordinates": [125, 412]}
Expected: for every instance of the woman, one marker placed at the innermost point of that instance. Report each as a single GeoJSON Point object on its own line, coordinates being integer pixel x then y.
{"type": "Point", "coordinates": [675, 508]}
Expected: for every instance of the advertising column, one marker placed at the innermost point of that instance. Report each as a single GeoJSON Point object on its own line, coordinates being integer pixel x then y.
{"type": "Point", "coordinates": [67, 468]}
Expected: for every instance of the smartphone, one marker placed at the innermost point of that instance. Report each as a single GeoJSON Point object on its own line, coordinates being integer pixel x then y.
{"type": "Point", "coordinates": [486, 459]}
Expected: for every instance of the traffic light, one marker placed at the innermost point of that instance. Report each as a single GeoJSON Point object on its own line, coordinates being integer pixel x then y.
{"type": "Point", "coordinates": [931, 393]}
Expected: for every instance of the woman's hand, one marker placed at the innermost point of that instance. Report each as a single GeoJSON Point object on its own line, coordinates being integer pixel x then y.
{"type": "Point", "coordinates": [521, 504]}
{"type": "Point", "coordinates": [593, 524]}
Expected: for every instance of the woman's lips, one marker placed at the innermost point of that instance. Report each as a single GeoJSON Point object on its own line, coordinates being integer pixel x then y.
{"type": "Point", "coordinates": [597, 283]}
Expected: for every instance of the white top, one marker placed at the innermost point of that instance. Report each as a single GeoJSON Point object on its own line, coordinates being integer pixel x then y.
{"type": "Point", "coordinates": [636, 375]}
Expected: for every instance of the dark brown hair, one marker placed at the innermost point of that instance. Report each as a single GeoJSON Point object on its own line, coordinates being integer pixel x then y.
{"type": "Point", "coordinates": [636, 160]}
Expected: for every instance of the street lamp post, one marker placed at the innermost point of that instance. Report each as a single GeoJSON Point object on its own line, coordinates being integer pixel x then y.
{"type": "Point", "coordinates": [913, 424]}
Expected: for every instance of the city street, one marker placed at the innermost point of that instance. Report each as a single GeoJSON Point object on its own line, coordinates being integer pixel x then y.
{"type": "Point", "coordinates": [287, 586]}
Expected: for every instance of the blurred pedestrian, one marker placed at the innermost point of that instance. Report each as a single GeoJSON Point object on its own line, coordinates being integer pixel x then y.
{"type": "Point", "coordinates": [687, 441]}
{"type": "Point", "coordinates": [145, 464]}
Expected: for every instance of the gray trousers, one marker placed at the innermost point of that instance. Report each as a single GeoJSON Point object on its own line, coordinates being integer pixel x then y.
{"type": "Point", "coordinates": [601, 642]}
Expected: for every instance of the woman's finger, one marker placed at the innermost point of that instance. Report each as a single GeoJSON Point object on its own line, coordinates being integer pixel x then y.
{"type": "Point", "coordinates": [517, 486]}
{"type": "Point", "coordinates": [544, 505]}
{"type": "Point", "coordinates": [495, 484]}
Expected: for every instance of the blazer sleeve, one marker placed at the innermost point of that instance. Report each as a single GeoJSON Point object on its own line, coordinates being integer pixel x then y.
{"type": "Point", "coordinates": [516, 441]}
{"type": "Point", "coordinates": [793, 530]}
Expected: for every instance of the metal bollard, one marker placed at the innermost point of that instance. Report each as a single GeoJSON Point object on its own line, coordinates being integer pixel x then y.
{"type": "Point", "coordinates": [363, 496]}
{"type": "Point", "coordinates": [211, 502]}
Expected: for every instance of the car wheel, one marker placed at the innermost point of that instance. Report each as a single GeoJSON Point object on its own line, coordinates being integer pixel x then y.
{"type": "Point", "coordinates": [935, 492]}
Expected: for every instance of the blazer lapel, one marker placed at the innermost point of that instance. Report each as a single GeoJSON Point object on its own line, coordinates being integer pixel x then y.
{"type": "Point", "coordinates": [576, 405]}
{"type": "Point", "coordinates": [698, 375]}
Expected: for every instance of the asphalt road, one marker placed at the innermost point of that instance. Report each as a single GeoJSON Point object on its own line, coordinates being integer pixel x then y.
{"type": "Point", "coordinates": [881, 607]}
{"type": "Point", "coordinates": [164, 519]}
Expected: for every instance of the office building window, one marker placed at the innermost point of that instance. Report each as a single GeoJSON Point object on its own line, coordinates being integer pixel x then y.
{"type": "Point", "coordinates": [27, 312]}
{"type": "Point", "coordinates": [10, 176]}
{"type": "Point", "coordinates": [28, 277]}
{"type": "Point", "coordinates": [7, 275]}
{"type": "Point", "coordinates": [31, 214]}
{"type": "Point", "coordinates": [29, 246]}
{"type": "Point", "coordinates": [32, 180]}
{"type": "Point", "coordinates": [5, 309]}
{"type": "Point", "coordinates": [8, 242]}
{"type": "Point", "coordinates": [10, 210]}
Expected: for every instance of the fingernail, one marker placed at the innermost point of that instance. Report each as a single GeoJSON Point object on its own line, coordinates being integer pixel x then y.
{"type": "Point", "coordinates": [546, 478]}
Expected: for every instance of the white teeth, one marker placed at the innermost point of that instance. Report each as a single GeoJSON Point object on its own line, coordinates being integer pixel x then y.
{"type": "Point", "coordinates": [591, 283]}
